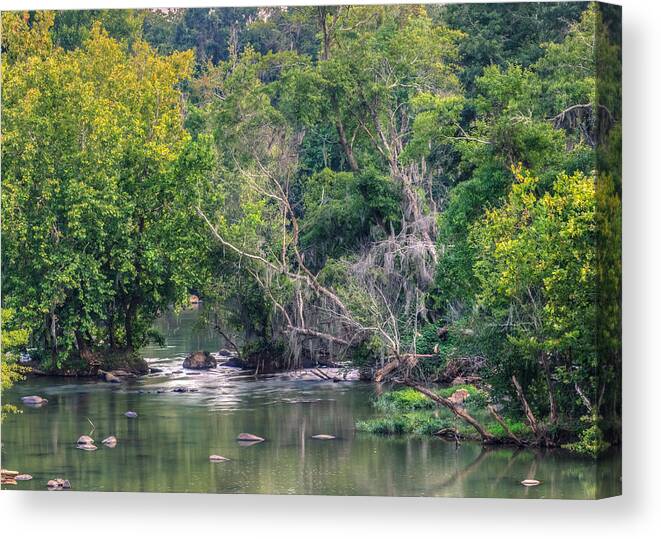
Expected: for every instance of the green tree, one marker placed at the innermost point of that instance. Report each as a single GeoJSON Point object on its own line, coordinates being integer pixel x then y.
{"type": "Point", "coordinates": [521, 115]}
{"type": "Point", "coordinates": [537, 285]}
{"type": "Point", "coordinates": [12, 341]}
{"type": "Point", "coordinates": [99, 178]}
{"type": "Point", "coordinates": [71, 28]}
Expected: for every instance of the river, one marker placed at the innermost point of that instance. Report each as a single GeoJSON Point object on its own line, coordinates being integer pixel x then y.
{"type": "Point", "coordinates": [166, 448]}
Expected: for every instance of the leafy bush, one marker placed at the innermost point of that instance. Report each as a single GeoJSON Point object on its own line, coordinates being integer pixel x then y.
{"type": "Point", "coordinates": [408, 399]}
{"type": "Point", "coordinates": [590, 442]}
{"type": "Point", "coordinates": [403, 400]}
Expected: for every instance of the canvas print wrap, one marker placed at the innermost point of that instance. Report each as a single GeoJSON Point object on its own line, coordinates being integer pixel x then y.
{"type": "Point", "coordinates": [335, 250]}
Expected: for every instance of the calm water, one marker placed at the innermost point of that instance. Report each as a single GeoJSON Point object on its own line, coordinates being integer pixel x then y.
{"type": "Point", "coordinates": [166, 448]}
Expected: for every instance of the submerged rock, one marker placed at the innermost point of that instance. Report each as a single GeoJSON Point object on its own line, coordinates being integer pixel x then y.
{"type": "Point", "coordinates": [217, 458]}
{"type": "Point", "coordinates": [323, 437]}
{"type": "Point", "coordinates": [110, 441]}
{"type": "Point", "coordinates": [34, 400]}
{"type": "Point", "coordinates": [184, 389]}
{"type": "Point", "coordinates": [530, 482]}
{"type": "Point", "coordinates": [199, 360]}
{"type": "Point", "coordinates": [131, 414]}
{"type": "Point", "coordinates": [247, 437]}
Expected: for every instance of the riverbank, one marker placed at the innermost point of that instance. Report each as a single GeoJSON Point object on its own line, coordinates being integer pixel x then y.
{"type": "Point", "coordinates": [104, 361]}
{"type": "Point", "coordinates": [407, 411]}
{"type": "Point", "coordinates": [166, 448]}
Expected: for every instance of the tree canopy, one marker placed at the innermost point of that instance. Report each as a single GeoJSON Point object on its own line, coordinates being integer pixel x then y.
{"type": "Point", "coordinates": [401, 187]}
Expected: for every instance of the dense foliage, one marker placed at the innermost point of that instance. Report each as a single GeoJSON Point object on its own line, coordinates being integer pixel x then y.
{"type": "Point", "coordinates": [98, 177]}
{"type": "Point", "coordinates": [433, 190]}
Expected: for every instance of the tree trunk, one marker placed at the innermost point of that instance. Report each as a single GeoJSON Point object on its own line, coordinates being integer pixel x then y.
{"type": "Point", "coordinates": [455, 409]}
{"type": "Point", "coordinates": [111, 327]}
{"type": "Point", "coordinates": [526, 408]}
{"type": "Point", "coordinates": [503, 424]}
{"type": "Point", "coordinates": [129, 322]}
{"type": "Point", "coordinates": [325, 55]}
{"type": "Point", "coordinates": [85, 350]}
{"type": "Point", "coordinates": [341, 133]}
{"type": "Point", "coordinates": [544, 360]}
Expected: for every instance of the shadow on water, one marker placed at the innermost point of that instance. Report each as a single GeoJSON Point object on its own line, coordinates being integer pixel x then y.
{"type": "Point", "coordinates": [166, 448]}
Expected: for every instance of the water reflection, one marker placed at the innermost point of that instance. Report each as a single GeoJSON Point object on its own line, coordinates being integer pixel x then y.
{"type": "Point", "coordinates": [167, 447]}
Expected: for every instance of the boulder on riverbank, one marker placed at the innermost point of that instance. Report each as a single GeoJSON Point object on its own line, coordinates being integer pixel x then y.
{"type": "Point", "coordinates": [122, 363]}
{"type": "Point", "coordinates": [200, 360]}
{"type": "Point", "coordinates": [109, 377]}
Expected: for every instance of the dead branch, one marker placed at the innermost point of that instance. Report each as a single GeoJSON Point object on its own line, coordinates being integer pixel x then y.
{"type": "Point", "coordinates": [584, 398]}
{"type": "Point", "coordinates": [387, 369]}
{"type": "Point", "coordinates": [457, 410]}
{"type": "Point", "coordinates": [227, 339]}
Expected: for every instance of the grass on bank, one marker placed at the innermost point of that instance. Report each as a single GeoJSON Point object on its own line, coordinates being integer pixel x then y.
{"type": "Point", "coordinates": [406, 411]}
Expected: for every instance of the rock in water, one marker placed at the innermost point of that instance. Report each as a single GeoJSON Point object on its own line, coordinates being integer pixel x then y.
{"type": "Point", "coordinates": [34, 400]}
{"type": "Point", "coordinates": [23, 477]}
{"type": "Point", "coordinates": [131, 414]}
{"type": "Point", "coordinates": [84, 439]}
{"type": "Point", "coordinates": [247, 437]}
{"type": "Point", "coordinates": [110, 441]}
{"type": "Point", "coordinates": [217, 458]}
{"type": "Point", "coordinates": [87, 447]}
{"type": "Point", "coordinates": [323, 437]}
{"type": "Point", "coordinates": [530, 482]}
{"type": "Point", "coordinates": [8, 477]}
{"type": "Point", "coordinates": [199, 360]}
{"type": "Point", "coordinates": [58, 484]}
